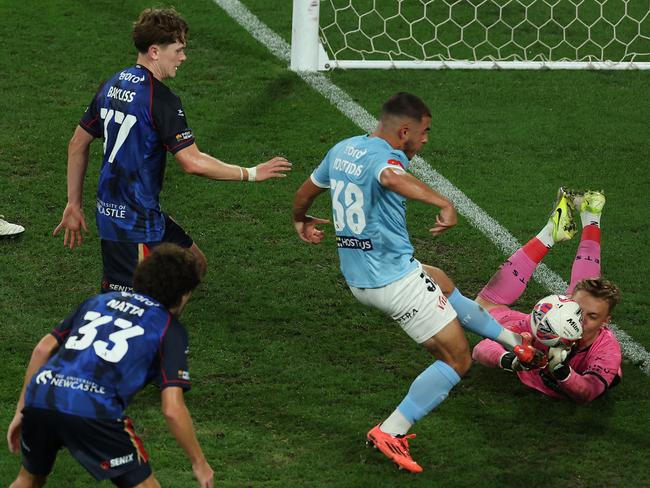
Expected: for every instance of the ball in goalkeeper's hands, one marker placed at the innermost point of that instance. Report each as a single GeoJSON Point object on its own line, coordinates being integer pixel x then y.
{"type": "Point", "coordinates": [555, 320]}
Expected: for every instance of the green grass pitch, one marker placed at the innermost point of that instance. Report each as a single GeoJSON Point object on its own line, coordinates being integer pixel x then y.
{"type": "Point", "coordinates": [289, 370]}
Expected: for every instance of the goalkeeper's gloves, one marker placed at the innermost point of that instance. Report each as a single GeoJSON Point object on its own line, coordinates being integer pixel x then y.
{"type": "Point", "coordinates": [556, 357]}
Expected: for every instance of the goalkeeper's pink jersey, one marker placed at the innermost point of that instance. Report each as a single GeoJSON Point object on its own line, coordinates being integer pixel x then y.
{"type": "Point", "coordinates": [593, 369]}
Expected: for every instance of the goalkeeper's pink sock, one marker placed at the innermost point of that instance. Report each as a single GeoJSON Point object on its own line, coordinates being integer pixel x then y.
{"type": "Point", "coordinates": [510, 281]}
{"type": "Point", "coordinates": [587, 260]}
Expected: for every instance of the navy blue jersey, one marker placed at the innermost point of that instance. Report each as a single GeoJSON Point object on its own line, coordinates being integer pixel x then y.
{"type": "Point", "coordinates": [110, 348]}
{"type": "Point", "coordinates": [140, 119]}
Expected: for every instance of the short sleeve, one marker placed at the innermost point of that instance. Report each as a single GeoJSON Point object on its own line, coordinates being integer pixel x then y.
{"type": "Point", "coordinates": [321, 175]}
{"type": "Point", "coordinates": [62, 330]}
{"type": "Point", "coordinates": [90, 120]}
{"type": "Point", "coordinates": [169, 119]}
{"type": "Point", "coordinates": [173, 358]}
{"type": "Point", "coordinates": [394, 160]}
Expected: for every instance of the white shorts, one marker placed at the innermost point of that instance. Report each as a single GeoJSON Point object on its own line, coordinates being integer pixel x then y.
{"type": "Point", "coordinates": [415, 301]}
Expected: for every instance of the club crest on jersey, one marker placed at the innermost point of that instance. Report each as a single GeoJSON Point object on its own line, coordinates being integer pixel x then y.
{"type": "Point", "coordinates": [395, 162]}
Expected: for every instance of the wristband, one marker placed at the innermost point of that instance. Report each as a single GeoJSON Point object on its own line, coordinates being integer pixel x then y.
{"type": "Point", "coordinates": [241, 174]}
{"type": "Point", "coordinates": [562, 373]}
{"type": "Point", "coordinates": [252, 173]}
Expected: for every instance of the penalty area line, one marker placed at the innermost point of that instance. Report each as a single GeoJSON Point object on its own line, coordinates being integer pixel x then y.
{"type": "Point", "coordinates": [494, 231]}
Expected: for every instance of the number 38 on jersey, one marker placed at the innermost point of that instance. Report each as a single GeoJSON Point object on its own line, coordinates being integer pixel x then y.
{"type": "Point", "coordinates": [348, 212]}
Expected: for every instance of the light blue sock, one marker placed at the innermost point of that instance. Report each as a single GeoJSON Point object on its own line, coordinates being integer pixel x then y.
{"type": "Point", "coordinates": [474, 317]}
{"type": "Point", "coordinates": [428, 390]}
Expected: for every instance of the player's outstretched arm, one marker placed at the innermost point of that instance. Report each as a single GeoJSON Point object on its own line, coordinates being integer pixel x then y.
{"type": "Point", "coordinates": [198, 163]}
{"type": "Point", "coordinates": [410, 187]}
{"type": "Point", "coordinates": [304, 224]}
{"type": "Point", "coordinates": [180, 425]}
{"type": "Point", "coordinates": [73, 220]}
{"type": "Point", "coordinates": [41, 353]}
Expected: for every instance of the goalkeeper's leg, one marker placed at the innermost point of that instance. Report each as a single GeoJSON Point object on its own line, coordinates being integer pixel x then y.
{"type": "Point", "coordinates": [510, 280]}
{"type": "Point", "coordinates": [587, 261]}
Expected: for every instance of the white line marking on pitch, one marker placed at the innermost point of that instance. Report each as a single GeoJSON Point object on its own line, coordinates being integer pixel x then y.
{"type": "Point", "coordinates": [500, 236]}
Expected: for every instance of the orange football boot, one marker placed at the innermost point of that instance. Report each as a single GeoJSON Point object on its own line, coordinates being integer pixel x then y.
{"type": "Point", "coordinates": [396, 448]}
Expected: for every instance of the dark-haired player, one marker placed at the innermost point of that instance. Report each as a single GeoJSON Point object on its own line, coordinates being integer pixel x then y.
{"type": "Point", "coordinates": [83, 375]}
{"type": "Point", "coordinates": [140, 120]}
{"type": "Point", "coordinates": [594, 364]}
{"type": "Point", "coordinates": [369, 186]}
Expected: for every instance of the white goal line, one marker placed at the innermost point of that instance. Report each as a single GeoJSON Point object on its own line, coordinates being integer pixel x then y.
{"type": "Point", "coordinates": [494, 231]}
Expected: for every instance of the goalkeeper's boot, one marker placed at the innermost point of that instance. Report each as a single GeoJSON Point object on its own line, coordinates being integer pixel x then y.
{"type": "Point", "coordinates": [564, 227]}
{"type": "Point", "coordinates": [395, 448]}
{"type": "Point", "coordinates": [527, 356]}
{"type": "Point", "coordinates": [10, 230]}
{"type": "Point", "coordinates": [590, 201]}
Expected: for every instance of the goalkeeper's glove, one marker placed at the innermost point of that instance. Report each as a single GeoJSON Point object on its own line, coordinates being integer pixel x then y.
{"type": "Point", "coordinates": [556, 357]}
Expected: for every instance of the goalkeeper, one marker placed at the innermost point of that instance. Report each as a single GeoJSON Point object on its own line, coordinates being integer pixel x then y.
{"type": "Point", "coordinates": [593, 365]}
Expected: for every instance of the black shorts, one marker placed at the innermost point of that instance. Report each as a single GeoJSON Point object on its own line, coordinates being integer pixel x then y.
{"type": "Point", "coordinates": [120, 258]}
{"type": "Point", "coordinates": [108, 449]}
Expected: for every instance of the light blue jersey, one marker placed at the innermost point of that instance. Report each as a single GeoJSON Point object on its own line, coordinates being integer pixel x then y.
{"type": "Point", "coordinates": [370, 220]}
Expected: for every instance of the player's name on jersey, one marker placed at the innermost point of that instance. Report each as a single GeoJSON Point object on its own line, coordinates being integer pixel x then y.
{"type": "Point", "coordinates": [348, 167]}
{"type": "Point", "coordinates": [127, 307]}
{"type": "Point", "coordinates": [120, 94]}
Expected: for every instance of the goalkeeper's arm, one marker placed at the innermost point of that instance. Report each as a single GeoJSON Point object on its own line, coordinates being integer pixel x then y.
{"type": "Point", "coordinates": [581, 388]}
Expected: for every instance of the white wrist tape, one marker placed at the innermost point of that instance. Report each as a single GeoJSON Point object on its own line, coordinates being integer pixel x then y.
{"type": "Point", "coordinates": [252, 173]}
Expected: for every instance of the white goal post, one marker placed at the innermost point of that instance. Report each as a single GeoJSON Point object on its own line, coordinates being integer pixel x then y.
{"type": "Point", "coordinates": [470, 34]}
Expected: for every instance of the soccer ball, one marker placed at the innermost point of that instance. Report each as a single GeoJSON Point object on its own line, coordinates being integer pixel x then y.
{"type": "Point", "coordinates": [556, 320]}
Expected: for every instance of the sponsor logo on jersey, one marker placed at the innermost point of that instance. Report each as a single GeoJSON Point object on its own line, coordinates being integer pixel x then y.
{"type": "Point", "coordinates": [181, 113]}
{"type": "Point", "coordinates": [43, 377]}
{"type": "Point", "coordinates": [111, 209]}
{"type": "Point", "coordinates": [184, 136]}
{"type": "Point", "coordinates": [125, 76]}
{"type": "Point", "coordinates": [120, 94]}
{"type": "Point", "coordinates": [350, 242]}
{"type": "Point", "coordinates": [354, 152]}
{"type": "Point", "coordinates": [71, 382]}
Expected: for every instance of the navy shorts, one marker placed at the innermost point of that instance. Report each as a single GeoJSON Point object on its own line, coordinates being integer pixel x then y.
{"type": "Point", "coordinates": [120, 258]}
{"type": "Point", "coordinates": [108, 449]}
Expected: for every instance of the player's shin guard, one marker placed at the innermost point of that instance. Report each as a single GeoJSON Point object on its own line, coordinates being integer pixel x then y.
{"type": "Point", "coordinates": [475, 318]}
{"type": "Point", "coordinates": [428, 390]}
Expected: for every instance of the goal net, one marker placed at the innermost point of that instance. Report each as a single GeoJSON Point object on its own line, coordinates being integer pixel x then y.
{"type": "Point", "coordinates": [511, 34]}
